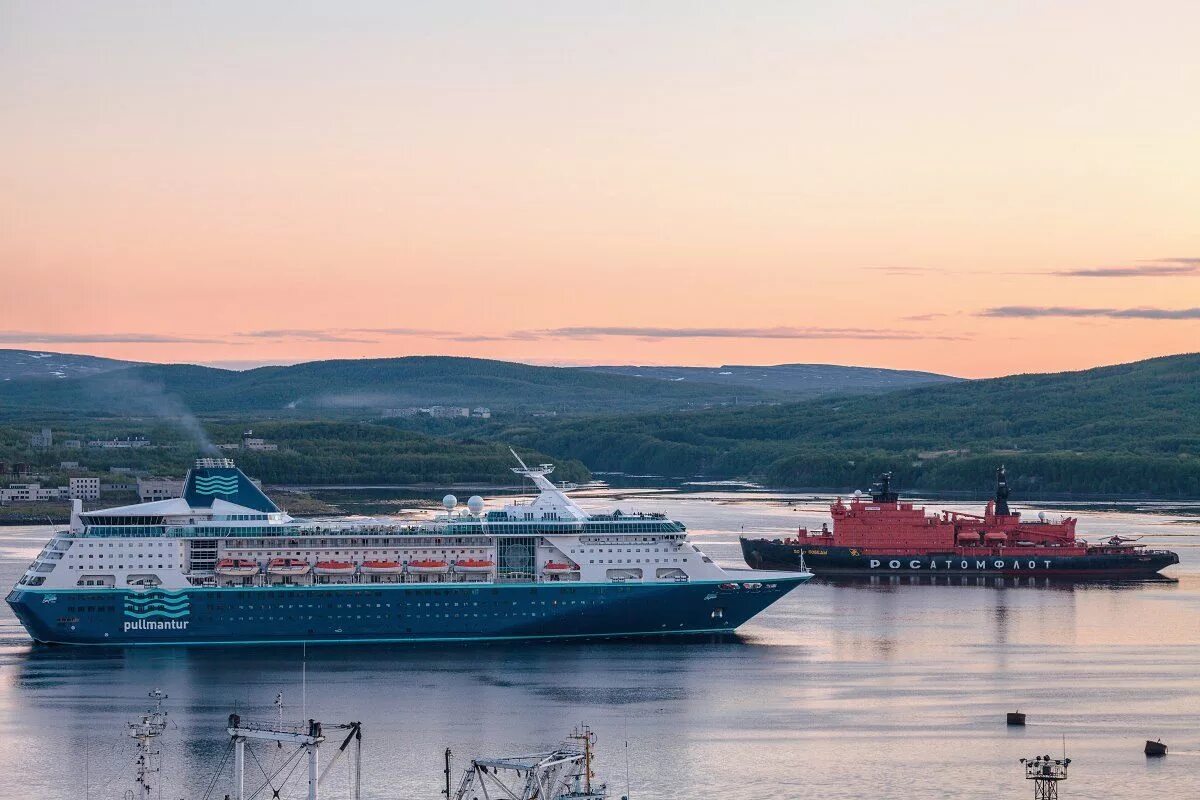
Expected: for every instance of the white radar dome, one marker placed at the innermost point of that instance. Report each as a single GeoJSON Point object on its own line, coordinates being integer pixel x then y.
{"type": "Point", "coordinates": [449, 501]}
{"type": "Point", "coordinates": [475, 505]}
{"type": "Point", "coordinates": [1041, 516]}
{"type": "Point", "coordinates": [858, 492]}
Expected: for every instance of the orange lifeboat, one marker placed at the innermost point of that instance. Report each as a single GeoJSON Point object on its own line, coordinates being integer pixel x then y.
{"type": "Point", "coordinates": [288, 566]}
{"type": "Point", "coordinates": [474, 565]}
{"type": "Point", "coordinates": [428, 567]}
{"type": "Point", "coordinates": [558, 568]}
{"type": "Point", "coordinates": [382, 567]}
{"type": "Point", "coordinates": [237, 567]}
{"type": "Point", "coordinates": [334, 568]}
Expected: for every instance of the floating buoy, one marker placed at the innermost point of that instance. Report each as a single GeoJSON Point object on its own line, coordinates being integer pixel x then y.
{"type": "Point", "coordinates": [1015, 718]}
{"type": "Point", "coordinates": [1155, 748]}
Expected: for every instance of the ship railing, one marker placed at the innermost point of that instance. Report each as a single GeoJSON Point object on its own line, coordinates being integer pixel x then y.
{"type": "Point", "coordinates": [274, 726]}
{"type": "Point", "coordinates": [211, 579]}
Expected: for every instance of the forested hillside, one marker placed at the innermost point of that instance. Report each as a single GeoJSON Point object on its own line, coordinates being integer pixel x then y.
{"type": "Point", "coordinates": [1131, 428]}
{"type": "Point", "coordinates": [324, 388]}
{"type": "Point", "coordinates": [334, 452]}
{"type": "Point", "coordinates": [22, 364]}
{"type": "Point", "coordinates": [795, 381]}
{"type": "Point", "coordinates": [1120, 429]}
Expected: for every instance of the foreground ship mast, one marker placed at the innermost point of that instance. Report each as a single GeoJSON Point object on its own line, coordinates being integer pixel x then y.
{"type": "Point", "coordinates": [307, 738]}
{"type": "Point", "coordinates": [146, 731]}
{"type": "Point", "coordinates": [564, 773]}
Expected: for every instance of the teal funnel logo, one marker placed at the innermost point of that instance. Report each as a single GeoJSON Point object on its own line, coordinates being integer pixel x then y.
{"type": "Point", "coordinates": [158, 603]}
{"type": "Point", "coordinates": [217, 484]}
{"type": "Point", "coordinates": [156, 610]}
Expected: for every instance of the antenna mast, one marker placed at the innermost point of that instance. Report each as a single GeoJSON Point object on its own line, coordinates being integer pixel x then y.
{"type": "Point", "coordinates": [585, 735]}
{"type": "Point", "coordinates": [148, 728]}
{"type": "Point", "coordinates": [1046, 773]}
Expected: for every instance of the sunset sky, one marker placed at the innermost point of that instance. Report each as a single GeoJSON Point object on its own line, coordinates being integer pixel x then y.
{"type": "Point", "coordinates": [975, 188]}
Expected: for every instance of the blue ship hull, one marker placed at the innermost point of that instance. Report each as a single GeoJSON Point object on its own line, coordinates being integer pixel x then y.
{"type": "Point", "coordinates": [433, 612]}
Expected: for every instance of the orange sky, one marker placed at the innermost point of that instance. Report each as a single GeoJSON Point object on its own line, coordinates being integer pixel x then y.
{"type": "Point", "coordinates": [894, 184]}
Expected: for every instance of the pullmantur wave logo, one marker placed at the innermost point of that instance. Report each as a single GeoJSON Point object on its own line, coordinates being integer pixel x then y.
{"type": "Point", "coordinates": [217, 484]}
{"type": "Point", "coordinates": [156, 610]}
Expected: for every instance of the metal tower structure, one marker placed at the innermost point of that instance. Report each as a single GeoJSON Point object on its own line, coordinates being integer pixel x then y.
{"type": "Point", "coordinates": [145, 731]}
{"type": "Point", "coordinates": [307, 737]}
{"type": "Point", "coordinates": [1046, 773]}
{"type": "Point", "coordinates": [560, 774]}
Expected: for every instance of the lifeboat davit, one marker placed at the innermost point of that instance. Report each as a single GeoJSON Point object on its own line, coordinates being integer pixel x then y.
{"type": "Point", "coordinates": [288, 566]}
{"type": "Point", "coordinates": [382, 567]}
{"type": "Point", "coordinates": [474, 565]}
{"type": "Point", "coordinates": [237, 567]}
{"type": "Point", "coordinates": [557, 568]}
{"type": "Point", "coordinates": [428, 567]}
{"type": "Point", "coordinates": [334, 568]}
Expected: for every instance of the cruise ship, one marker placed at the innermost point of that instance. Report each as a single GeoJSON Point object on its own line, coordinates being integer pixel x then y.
{"type": "Point", "coordinates": [223, 564]}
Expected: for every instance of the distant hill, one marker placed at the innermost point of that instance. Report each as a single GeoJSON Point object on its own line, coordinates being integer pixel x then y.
{"type": "Point", "coordinates": [22, 364]}
{"type": "Point", "coordinates": [793, 380]}
{"type": "Point", "coordinates": [331, 387]}
{"type": "Point", "coordinates": [1119, 429]}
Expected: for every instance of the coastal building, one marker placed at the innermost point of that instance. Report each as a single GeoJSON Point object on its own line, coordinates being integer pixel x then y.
{"type": "Point", "coordinates": [152, 489]}
{"type": "Point", "coordinates": [83, 488]}
{"type": "Point", "coordinates": [73, 444]}
{"type": "Point", "coordinates": [447, 412]}
{"type": "Point", "coordinates": [401, 412]}
{"type": "Point", "coordinates": [43, 440]}
{"type": "Point", "coordinates": [68, 465]}
{"type": "Point", "coordinates": [250, 442]}
{"type": "Point", "coordinates": [31, 493]}
{"type": "Point", "coordinates": [113, 444]}
{"type": "Point", "coordinates": [439, 412]}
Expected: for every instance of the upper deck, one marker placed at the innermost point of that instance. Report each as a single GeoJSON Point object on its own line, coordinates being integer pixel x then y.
{"type": "Point", "coordinates": [219, 501]}
{"type": "Point", "coordinates": [224, 531]}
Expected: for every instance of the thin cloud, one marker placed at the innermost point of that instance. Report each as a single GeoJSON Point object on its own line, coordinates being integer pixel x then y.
{"type": "Point", "coordinates": [45, 337]}
{"type": "Point", "coordinates": [303, 335]}
{"type": "Point", "coordinates": [587, 332]}
{"type": "Point", "coordinates": [1160, 267]}
{"type": "Point", "coordinates": [338, 335]}
{"type": "Point", "coordinates": [512, 336]}
{"type": "Point", "coordinates": [471, 338]}
{"type": "Point", "coordinates": [400, 331]}
{"type": "Point", "coordinates": [1026, 312]}
{"type": "Point", "coordinates": [909, 270]}
{"type": "Point", "coordinates": [925, 317]}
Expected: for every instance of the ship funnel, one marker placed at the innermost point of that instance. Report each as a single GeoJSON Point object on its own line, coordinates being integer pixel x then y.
{"type": "Point", "coordinates": [219, 479]}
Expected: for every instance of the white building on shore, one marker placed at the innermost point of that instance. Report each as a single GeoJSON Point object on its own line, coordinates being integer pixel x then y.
{"type": "Point", "coordinates": [152, 489]}
{"type": "Point", "coordinates": [83, 488]}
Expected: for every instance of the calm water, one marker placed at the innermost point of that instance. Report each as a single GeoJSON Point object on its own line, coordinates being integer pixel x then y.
{"type": "Point", "coordinates": [839, 691]}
